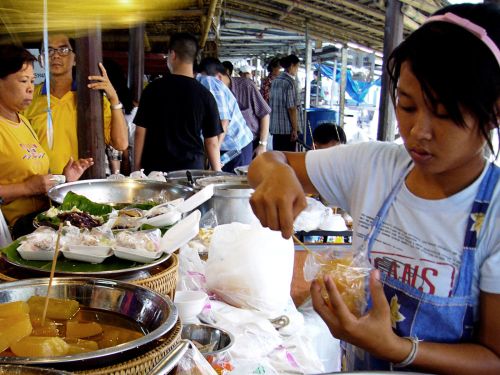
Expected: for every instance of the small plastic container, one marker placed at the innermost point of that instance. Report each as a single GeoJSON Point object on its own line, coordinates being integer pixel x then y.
{"type": "Point", "coordinates": [189, 304]}
{"type": "Point", "coordinates": [91, 250]}
{"type": "Point", "coordinates": [35, 254]}
{"type": "Point", "coordinates": [87, 257]}
{"type": "Point", "coordinates": [168, 218]}
{"type": "Point", "coordinates": [136, 255]}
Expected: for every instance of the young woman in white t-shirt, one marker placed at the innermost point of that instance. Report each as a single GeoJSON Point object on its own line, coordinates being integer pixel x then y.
{"type": "Point", "coordinates": [427, 213]}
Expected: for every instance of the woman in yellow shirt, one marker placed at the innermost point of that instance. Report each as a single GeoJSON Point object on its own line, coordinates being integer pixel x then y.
{"type": "Point", "coordinates": [24, 164]}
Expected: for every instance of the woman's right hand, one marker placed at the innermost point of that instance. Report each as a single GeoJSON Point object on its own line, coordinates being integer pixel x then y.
{"type": "Point", "coordinates": [279, 194]}
{"type": "Point", "coordinates": [39, 184]}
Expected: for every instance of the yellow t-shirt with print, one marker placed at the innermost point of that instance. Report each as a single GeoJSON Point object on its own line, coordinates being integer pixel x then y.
{"type": "Point", "coordinates": [64, 123]}
{"type": "Point", "coordinates": [21, 156]}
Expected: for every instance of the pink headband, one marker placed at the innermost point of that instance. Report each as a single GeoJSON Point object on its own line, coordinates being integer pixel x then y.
{"type": "Point", "coordinates": [471, 27]}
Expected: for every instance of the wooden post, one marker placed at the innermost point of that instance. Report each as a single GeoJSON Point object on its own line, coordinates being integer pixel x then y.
{"type": "Point", "coordinates": [393, 35]}
{"type": "Point", "coordinates": [90, 115]}
{"type": "Point", "coordinates": [136, 61]}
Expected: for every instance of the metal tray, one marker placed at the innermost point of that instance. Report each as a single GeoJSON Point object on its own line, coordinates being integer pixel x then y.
{"type": "Point", "coordinates": [133, 273]}
{"type": "Point", "coordinates": [121, 192]}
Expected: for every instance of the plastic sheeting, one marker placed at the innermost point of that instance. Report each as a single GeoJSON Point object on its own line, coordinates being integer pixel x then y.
{"type": "Point", "coordinates": [356, 89]}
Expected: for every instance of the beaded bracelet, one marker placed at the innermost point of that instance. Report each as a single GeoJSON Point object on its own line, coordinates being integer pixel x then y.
{"type": "Point", "coordinates": [411, 357]}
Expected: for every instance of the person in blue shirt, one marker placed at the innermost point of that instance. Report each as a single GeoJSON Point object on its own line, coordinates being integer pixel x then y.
{"type": "Point", "coordinates": [236, 141]}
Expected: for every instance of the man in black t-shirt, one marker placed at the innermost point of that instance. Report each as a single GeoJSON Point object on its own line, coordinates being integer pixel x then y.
{"type": "Point", "coordinates": [174, 113]}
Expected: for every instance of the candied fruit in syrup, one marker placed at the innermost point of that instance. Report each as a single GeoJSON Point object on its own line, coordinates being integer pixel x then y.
{"type": "Point", "coordinates": [62, 309]}
{"type": "Point", "coordinates": [79, 330]}
{"type": "Point", "coordinates": [13, 329]}
{"type": "Point", "coordinates": [13, 308]}
{"type": "Point", "coordinates": [36, 346]}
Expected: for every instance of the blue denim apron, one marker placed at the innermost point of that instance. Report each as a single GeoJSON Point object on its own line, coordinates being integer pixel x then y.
{"type": "Point", "coordinates": [428, 317]}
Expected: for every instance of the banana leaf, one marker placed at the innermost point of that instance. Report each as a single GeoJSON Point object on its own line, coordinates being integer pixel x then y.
{"type": "Point", "coordinates": [84, 204]}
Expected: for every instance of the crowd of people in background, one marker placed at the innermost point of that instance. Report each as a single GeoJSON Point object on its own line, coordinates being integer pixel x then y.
{"type": "Point", "coordinates": [198, 115]}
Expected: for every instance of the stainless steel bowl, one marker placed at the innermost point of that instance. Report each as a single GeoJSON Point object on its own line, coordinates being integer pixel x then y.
{"type": "Point", "coordinates": [210, 340]}
{"type": "Point", "coordinates": [121, 192]}
{"type": "Point", "coordinates": [154, 312]}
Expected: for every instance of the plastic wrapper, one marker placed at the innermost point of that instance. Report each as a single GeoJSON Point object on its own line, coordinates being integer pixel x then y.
{"type": "Point", "coordinates": [349, 273]}
{"type": "Point", "coordinates": [193, 363]}
{"type": "Point", "coordinates": [99, 236]}
{"type": "Point", "coordinates": [144, 240]}
{"type": "Point", "coordinates": [42, 239]}
{"type": "Point", "coordinates": [311, 217]}
{"type": "Point", "coordinates": [208, 223]}
{"type": "Point", "coordinates": [116, 176]}
{"type": "Point", "coordinates": [138, 174]}
{"type": "Point", "coordinates": [125, 222]}
{"type": "Point", "coordinates": [222, 363]}
{"type": "Point", "coordinates": [157, 176]}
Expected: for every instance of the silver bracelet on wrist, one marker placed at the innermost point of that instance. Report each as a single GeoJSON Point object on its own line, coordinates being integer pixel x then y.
{"type": "Point", "coordinates": [411, 357]}
{"type": "Point", "coordinates": [116, 106]}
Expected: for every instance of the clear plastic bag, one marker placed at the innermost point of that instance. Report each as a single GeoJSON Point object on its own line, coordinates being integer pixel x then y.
{"type": "Point", "coordinates": [193, 363]}
{"type": "Point", "coordinates": [250, 267]}
{"type": "Point", "coordinates": [5, 237]}
{"type": "Point", "coordinates": [350, 274]}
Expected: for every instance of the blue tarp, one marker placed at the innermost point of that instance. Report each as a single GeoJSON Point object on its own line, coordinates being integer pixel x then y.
{"type": "Point", "coordinates": [357, 90]}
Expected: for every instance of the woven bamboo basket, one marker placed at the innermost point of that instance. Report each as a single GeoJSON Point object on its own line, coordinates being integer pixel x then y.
{"type": "Point", "coordinates": [163, 282]}
{"type": "Point", "coordinates": [142, 364]}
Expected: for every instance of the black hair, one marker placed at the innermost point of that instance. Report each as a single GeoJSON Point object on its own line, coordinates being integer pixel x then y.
{"type": "Point", "coordinates": [211, 66]}
{"type": "Point", "coordinates": [229, 67]}
{"type": "Point", "coordinates": [327, 132]}
{"type": "Point", "coordinates": [72, 42]}
{"type": "Point", "coordinates": [13, 58]}
{"type": "Point", "coordinates": [273, 64]}
{"type": "Point", "coordinates": [288, 61]}
{"type": "Point", "coordinates": [454, 67]}
{"type": "Point", "coordinates": [185, 46]}
{"type": "Point", "coordinates": [118, 79]}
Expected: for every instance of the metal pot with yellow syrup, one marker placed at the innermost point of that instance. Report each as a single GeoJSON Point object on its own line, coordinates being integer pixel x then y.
{"type": "Point", "coordinates": [114, 305]}
{"type": "Point", "coordinates": [231, 199]}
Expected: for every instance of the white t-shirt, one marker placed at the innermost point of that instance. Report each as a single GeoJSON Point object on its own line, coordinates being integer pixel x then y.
{"type": "Point", "coordinates": [421, 241]}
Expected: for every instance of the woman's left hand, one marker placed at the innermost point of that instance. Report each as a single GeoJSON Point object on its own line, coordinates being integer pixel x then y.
{"type": "Point", "coordinates": [74, 169]}
{"type": "Point", "coordinates": [103, 83]}
{"type": "Point", "coordinates": [372, 331]}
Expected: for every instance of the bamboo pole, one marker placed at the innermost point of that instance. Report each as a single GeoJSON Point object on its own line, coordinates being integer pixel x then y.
{"type": "Point", "coordinates": [208, 23]}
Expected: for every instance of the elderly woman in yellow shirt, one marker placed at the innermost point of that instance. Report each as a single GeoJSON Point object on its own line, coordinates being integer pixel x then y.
{"type": "Point", "coordinates": [63, 101]}
{"type": "Point", "coordinates": [24, 164]}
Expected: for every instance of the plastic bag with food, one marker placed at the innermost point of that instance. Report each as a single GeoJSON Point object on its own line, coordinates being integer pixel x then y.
{"type": "Point", "coordinates": [193, 363]}
{"type": "Point", "coordinates": [148, 240]}
{"type": "Point", "coordinates": [350, 274]}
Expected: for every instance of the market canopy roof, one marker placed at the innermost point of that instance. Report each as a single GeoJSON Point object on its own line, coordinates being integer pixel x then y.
{"type": "Point", "coordinates": [239, 27]}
